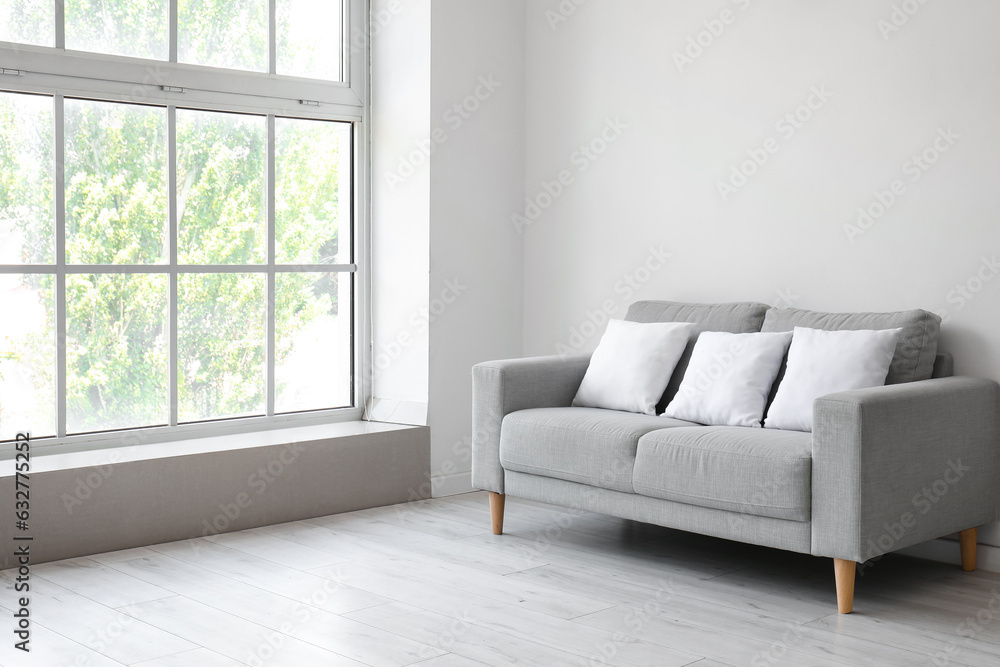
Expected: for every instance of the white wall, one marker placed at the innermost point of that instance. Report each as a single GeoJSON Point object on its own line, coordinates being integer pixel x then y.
{"type": "Point", "coordinates": [781, 237]}
{"type": "Point", "coordinates": [448, 168]}
{"type": "Point", "coordinates": [401, 74]}
{"type": "Point", "coordinates": [477, 172]}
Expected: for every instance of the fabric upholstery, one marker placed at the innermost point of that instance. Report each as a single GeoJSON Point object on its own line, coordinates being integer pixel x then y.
{"type": "Point", "coordinates": [890, 466]}
{"type": "Point", "coordinates": [749, 528]}
{"type": "Point", "coordinates": [586, 445]}
{"type": "Point", "coordinates": [502, 387]}
{"type": "Point", "coordinates": [915, 351]}
{"type": "Point", "coordinates": [729, 317]}
{"type": "Point", "coordinates": [944, 365]}
{"type": "Point", "coordinates": [755, 471]}
{"type": "Point", "coordinates": [902, 464]}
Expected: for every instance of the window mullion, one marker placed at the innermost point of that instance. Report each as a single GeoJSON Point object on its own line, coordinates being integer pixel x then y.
{"type": "Point", "coordinates": [60, 20]}
{"type": "Point", "coordinates": [271, 277]}
{"type": "Point", "coordinates": [172, 244]}
{"type": "Point", "coordinates": [272, 36]}
{"type": "Point", "coordinates": [59, 117]}
{"type": "Point", "coordinates": [172, 32]}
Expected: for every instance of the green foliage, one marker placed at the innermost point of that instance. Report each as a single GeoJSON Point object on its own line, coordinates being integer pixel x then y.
{"type": "Point", "coordinates": [220, 345]}
{"type": "Point", "coordinates": [27, 181]}
{"type": "Point", "coordinates": [221, 162]}
{"type": "Point", "coordinates": [223, 34]}
{"type": "Point", "coordinates": [307, 199]}
{"type": "Point", "coordinates": [136, 29]}
{"type": "Point", "coordinates": [27, 21]}
{"type": "Point", "coordinates": [116, 351]}
{"type": "Point", "coordinates": [116, 183]}
{"type": "Point", "coordinates": [116, 212]}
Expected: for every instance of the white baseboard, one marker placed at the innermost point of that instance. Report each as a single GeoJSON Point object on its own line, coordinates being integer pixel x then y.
{"type": "Point", "coordinates": [451, 485]}
{"type": "Point", "coordinates": [947, 551]}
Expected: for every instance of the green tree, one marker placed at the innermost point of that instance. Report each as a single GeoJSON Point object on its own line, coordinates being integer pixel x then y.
{"type": "Point", "coordinates": [116, 208]}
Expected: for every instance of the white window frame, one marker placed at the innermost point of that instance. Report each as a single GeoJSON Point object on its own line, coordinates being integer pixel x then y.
{"type": "Point", "coordinates": [61, 73]}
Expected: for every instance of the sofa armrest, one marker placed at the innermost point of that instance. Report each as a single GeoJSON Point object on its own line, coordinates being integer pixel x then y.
{"type": "Point", "coordinates": [902, 464]}
{"type": "Point", "coordinates": [502, 387]}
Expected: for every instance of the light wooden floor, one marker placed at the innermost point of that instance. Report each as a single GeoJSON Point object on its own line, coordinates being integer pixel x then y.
{"type": "Point", "coordinates": [428, 584]}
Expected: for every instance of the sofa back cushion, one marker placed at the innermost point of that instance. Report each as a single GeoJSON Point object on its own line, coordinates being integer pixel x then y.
{"type": "Point", "coordinates": [915, 352]}
{"type": "Point", "coordinates": [729, 317]}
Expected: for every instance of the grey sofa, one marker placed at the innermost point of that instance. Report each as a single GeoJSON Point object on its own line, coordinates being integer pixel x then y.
{"type": "Point", "coordinates": [884, 468]}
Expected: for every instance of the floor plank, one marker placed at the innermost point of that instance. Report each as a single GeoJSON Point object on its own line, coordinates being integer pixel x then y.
{"type": "Point", "coordinates": [200, 657]}
{"type": "Point", "coordinates": [99, 582]}
{"type": "Point", "coordinates": [243, 641]}
{"type": "Point", "coordinates": [285, 581]}
{"type": "Point", "coordinates": [95, 626]}
{"type": "Point", "coordinates": [471, 609]}
{"type": "Point", "coordinates": [306, 622]}
{"type": "Point", "coordinates": [426, 583]}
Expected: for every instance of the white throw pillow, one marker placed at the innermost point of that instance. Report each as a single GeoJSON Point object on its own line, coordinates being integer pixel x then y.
{"type": "Point", "coordinates": [729, 378]}
{"type": "Point", "coordinates": [825, 362]}
{"type": "Point", "coordinates": [632, 365]}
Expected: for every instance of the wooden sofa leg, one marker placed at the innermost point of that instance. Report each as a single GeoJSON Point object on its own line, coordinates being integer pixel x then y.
{"type": "Point", "coordinates": [496, 512]}
{"type": "Point", "coordinates": [967, 539]}
{"type": "Point", "coordinates": [843, 570]}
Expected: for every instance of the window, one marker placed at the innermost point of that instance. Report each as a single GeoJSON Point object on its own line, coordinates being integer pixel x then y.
{"type": "Point", "coordinates": [178, 215]}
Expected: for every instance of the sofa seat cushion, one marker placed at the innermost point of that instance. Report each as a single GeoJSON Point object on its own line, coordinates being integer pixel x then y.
{"type": "Point", "coordinates": [748, 470]}
{"type": "Point", "coordinates": [586, 445]}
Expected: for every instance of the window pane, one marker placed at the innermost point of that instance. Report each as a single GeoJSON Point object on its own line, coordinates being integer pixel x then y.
{"type": "Point", "coordinates": [313, 341]}
{"type": "Point", "coordinates": [312, 191]}
{"type": "Point", "coordinates": [119, 27]}
{"type": "Point", "coordinates": [116, 183]}
{"type": "Point", "coordinates": [28, 22]}
{"type": "Point", "coordinates": [229, 34]}
{"type": "Point", "coordinates": [26, 179]}
{"type": "Point", "coordinates": [27, 355]}
{"type": "Point", "coordinates": [116, 351]}
{"type": "Point", "coordinates": [221, 160]}
{"type": "Point", "coordinates": [220, 345]}
{"type": "Point", "coordinates": [309, 38]}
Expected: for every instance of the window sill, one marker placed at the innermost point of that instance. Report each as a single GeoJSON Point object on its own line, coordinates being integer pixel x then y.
{"type": "Point", "coordinates": [48, 461]}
